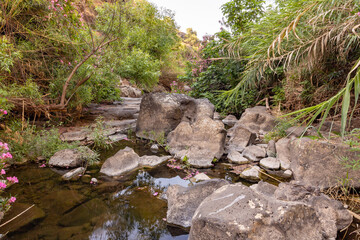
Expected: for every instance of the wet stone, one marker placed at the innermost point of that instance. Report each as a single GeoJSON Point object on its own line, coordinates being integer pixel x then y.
{"type": "Point", "coordinates": [251, 174]}
{"type": "Point", "coordinates": [74, 174]}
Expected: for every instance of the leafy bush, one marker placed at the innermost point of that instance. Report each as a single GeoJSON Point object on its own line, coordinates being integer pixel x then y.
{"type": "Point", "coordinates": [141, 67]}
{"type": "Point", "coordinates": [29, 144]}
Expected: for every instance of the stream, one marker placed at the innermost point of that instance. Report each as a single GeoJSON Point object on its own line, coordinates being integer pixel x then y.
{"type": "Point", "coordinates": [132, 207]}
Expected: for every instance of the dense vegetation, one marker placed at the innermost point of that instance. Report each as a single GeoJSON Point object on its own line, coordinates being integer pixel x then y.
{"type": "Point", "coordinates": [59, 55]}
{"type": "Point", "coordinates": [298, 53]}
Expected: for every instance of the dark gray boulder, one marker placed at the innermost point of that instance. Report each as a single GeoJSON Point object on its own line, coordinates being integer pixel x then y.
{"type": "Point", "coordinates": [160, 113]}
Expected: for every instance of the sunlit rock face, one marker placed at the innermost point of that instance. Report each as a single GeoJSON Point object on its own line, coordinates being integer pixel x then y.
{"type": "Point", "coordinates": [265, 212]}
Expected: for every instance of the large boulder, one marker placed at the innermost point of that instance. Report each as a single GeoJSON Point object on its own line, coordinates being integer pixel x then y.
{"type": "Point", "coordinates": [70, 158]}
{"type": "Point", "coordinates": [200, 142]}
{"type": "Point", "coordinates": [123, 161]}
{"type": "Point", "coordinates": [182, 202]}
{"type": "Point", "coordinates": [322, 164]}
{"type": "Point", "coordinates": [160, 113]}
{"type": "Point", "coordinates": [263, 212]}
{"type": "Point", "coordinates": [257, 120]}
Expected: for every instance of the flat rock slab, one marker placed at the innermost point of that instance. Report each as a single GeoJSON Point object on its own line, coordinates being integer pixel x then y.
{"type": "Point", "coordinates": [84, 213]}
{"type": "Point", "coordinates": [126, 109]}
{"type": "Point", "coordinates": [254, 153]}
{"type": "Point", "coordinates": [31, 216]}
{"type": "Point", "coordinates": [182, 202]}
{"type": "Point", "coordinates": [123, 161]}
{"type": "Point", "coordinates": [77, 135]}
{"type": "Point", "coordinates": [236, 157]}
{"type": "Point", "coordinates": [321, 164]}
{"type": "Point", "coordinates": [152, 161]}
{"type": "Point", "coordinates": [239, 212]}
{"type": "Point", "coordinates": [70, 157]}
{"type": "Point", "coordinates": [117, 137]}
{"type": "Point", "coordinates": [270, 163]}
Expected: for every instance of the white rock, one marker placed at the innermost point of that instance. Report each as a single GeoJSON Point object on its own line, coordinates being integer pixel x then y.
{"type": "Point", "coordinates": [200, 177]}
{"type": "Point", "coordinates": [287, 174]}
{"type": "Point", "coordinates": [270, 163]}
{"type": "Point", "coordinates": [252, 174]}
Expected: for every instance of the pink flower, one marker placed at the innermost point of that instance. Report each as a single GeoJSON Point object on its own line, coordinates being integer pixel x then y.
{"type": "Point", "coordinates": [2, 172]}
{"type": "Point", "coordinates": [12, 199]}
{"type": "Point", "coordinates": [155, 193]}
{"type": "Point", "coordinates": [2, 185]}
{"type": "Point", "coordinates": [5, 112]}
{"type": "Point", "coordinates": [358, 13]}
{"type": "Point", "coordinates": [12, 179]}
{"type": "Point", "coordinates": [42, 165]}
{"type": "Point", "coordinates": [62, 62]}
{"type": "Point", "coordinates": [69, 63]}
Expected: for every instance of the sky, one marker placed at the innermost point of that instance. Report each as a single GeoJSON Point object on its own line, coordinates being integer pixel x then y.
{"type": "Point", "coordinates": [203, 16]}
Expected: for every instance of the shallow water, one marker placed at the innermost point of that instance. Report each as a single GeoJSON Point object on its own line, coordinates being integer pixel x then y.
{"type": "Point", "coordinates": [121, 209]}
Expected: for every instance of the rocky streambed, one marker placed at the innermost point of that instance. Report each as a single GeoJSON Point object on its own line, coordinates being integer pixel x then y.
{"type": "Point", "coordinates": [200, 184]}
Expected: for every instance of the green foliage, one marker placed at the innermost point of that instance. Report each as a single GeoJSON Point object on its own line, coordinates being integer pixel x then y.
{"type": "Point", "coordinates": [56, 37]}
{"type": "Point", "coordinates": [98, 135]}
{"type": "Point", "coordinates": [29, 144]}
{"type": "Point", "coordinates": [141, 67]}
{"type": "Point", "coordinates": [305, 35]}
{"type": "Point", "coordinates": [240, 13]}
{"type": "Point", "coordinates": [8, 54]}
{"type": "Point", "coordinates": [279, 131]}
{"type": "Point", "coordinates": [210, 75]}
{"type": "Point", "coordinates": [91, 158]}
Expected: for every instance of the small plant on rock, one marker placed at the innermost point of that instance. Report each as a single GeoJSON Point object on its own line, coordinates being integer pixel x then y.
{"type": "Point", "coordinates": [99, 137]}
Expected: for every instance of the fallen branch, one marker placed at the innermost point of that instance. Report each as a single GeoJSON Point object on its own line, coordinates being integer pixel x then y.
{"type": "Point", "coordinates": [16, 216]}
